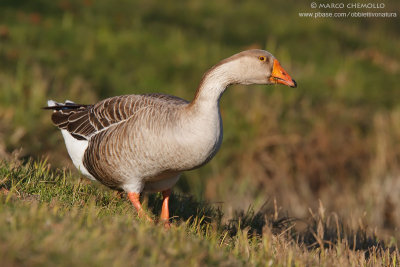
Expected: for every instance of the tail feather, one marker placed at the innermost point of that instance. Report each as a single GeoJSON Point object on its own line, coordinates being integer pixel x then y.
{"type": "Point", "coordinates": [62, 112]}
{"type": "Point", "coordinates": [52, 103]}
{"type": "Point", "coordinates": [68, 105]}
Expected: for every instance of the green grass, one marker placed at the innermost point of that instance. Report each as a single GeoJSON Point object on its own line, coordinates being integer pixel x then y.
{"type": "Point", "coordinates": [53, 218]}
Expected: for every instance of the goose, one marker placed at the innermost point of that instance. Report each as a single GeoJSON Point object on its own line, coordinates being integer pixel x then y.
{"type": "Point", "coordinates": [138, 143]}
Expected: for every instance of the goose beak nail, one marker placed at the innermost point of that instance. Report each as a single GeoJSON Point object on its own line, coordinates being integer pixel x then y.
{"type": "Point", "coordinates": [279, 75]}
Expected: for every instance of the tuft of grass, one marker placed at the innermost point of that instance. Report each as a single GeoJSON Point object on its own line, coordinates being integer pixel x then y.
{"type": "Point", "coordinates": [53, 218]}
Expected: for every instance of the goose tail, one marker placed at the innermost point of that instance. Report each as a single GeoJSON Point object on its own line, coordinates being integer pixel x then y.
{"type": "Point", "coordinates": [67, 105]}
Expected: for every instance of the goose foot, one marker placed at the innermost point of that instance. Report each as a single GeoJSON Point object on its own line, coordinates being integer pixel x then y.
{"type": "Point", "coordinates": [134, 198]}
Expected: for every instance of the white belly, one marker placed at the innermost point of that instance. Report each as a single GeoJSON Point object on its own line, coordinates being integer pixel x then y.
{"type": "Point", "coordinates": [76, 150]}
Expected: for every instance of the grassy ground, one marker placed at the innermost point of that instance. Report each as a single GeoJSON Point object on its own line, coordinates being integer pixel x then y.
{"type": "Point", "coordinates": [52, 218]}
{"type": "Point", "coordinates": [331, 145]}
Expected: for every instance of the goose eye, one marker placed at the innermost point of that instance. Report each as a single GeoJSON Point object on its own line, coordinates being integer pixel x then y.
{"type": "Point", "coordinates": [262, 58]}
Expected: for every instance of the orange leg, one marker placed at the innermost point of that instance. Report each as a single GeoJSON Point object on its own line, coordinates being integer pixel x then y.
{"type": "Point", "coordinates": [165, 209]}
{"type": "Point", "coordinates": [134, 198]}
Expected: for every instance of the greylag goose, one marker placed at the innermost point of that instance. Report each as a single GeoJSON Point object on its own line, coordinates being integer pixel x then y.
{"type": "Point", "coordinates": [139, 143]}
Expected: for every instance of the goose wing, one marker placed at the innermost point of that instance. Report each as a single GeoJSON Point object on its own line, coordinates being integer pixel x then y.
{"type": "Point", "coordinates": [85, 121]}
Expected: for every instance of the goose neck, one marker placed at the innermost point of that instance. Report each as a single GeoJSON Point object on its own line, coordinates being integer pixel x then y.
{"type": "Point", "coordinates": [213, 85]}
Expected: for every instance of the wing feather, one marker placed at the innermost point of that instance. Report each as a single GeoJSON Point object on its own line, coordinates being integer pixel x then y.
{"type": "Point", "coordinates": [85, 121]}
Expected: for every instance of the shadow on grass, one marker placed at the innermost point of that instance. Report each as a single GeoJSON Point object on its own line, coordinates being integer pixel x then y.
{"type": "Point", "coordinates": [185, 207]}
{"type": "Point", "coordinates": [320, 231]}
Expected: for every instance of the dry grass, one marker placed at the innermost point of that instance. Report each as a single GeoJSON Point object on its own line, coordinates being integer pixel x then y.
{"type": "Point", "coordinates": [347, 158]}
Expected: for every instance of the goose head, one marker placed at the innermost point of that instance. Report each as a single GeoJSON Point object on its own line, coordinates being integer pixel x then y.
{"type": "Point", "coordinates": [257, 67]}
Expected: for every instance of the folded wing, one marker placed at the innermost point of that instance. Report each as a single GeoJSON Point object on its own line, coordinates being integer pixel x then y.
{"type": "Point", "coordinates": [85, 121]}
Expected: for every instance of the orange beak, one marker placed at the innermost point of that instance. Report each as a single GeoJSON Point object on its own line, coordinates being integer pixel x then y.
{"type": "Point", "coordinates": [279, 75]}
